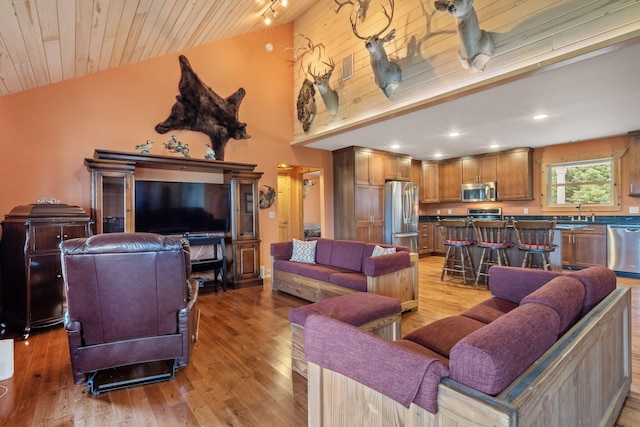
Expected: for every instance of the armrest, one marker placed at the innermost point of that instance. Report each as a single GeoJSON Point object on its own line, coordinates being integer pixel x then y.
{"type": "Point", "coordinates": [382, 365]}
{"type": "Point", "coordinates": [282, 250]}
{"type": "Point", "coordinates": [515, 283]}
{"type": "Point", "coordinates": [385, 264]}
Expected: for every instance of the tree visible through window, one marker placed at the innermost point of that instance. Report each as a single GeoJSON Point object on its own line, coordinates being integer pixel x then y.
{"type": "Point", "coordinates": [586, 182]}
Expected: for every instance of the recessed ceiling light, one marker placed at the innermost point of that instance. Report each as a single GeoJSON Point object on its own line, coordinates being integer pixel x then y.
{"type": "Point", "coordinates": [395, 146]}
{"type": "Point", "coordinates": [494, 146]}
{"type": "Point", "coordinates": [540, 116]}
{"type": "Point", "coordinates": [454, 134]}
{"type": "Point", "coordinates": [437, 155]}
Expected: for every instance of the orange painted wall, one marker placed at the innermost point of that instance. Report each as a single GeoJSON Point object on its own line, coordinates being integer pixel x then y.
{"type": "Point", "coordinates": [620, 142]}
{"type": "Point", "coordinates": [47, 132]}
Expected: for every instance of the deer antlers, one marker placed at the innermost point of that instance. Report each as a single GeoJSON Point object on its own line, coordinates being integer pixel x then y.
{"type": "Point", "coordinates": [389, 18]}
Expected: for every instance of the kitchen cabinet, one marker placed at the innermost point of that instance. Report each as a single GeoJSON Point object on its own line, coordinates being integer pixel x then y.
{"type": "Point", "coordinates": [430, 182]}
{"type": "Point", "coordinates": [397, 167]}
{"type": "Point", "coordinates": [416, 176]}
{"type": "Point", "coordinates": [438, 242]}
{"type": "Point", "coordinates": [359, 194]}
{"type": "Point", "coordinates": [425, 238]}
{"type": "Point", "coordinates": [450, 180]}
{"type": "Point", "coordinates": [584, 247]}
{"type": "Point", "coordinates": [514, 174]}
{"type": "Point", "coordinates": [479, 169]}
{"type": "Point", "coordinates": [634, 163]}
{"type": "Point", "coordinates": [33, 291]}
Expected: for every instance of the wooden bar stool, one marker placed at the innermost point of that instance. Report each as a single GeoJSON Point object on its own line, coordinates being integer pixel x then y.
{"type": "Point", "coordinates": [535, 237]}
{"type": "Point", "coordinates": [457, 237]}
{"type": "Point", "coordinates": [491, 236]}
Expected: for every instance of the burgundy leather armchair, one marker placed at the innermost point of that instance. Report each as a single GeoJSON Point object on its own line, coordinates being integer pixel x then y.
{"type": "Point", "coordinates": [129, 301]}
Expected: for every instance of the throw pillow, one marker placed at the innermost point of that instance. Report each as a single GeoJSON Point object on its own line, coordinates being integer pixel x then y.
{"type": "Point", "coordinates": [379, 250]}
{"type": "Point", "coordinates": [304, 251]}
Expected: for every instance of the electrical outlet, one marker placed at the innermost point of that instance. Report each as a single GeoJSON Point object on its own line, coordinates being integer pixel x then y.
{"type": "Point", "coordinates": [437, 211]}
{"type": "Point", "coordinates": [634, 209]}
{"type": "Point", "coordinates": [449, 211]}
{"type": "Point", "coordinates": [526, 211]}
{"type": "Point", "coordinates": [272, 214]}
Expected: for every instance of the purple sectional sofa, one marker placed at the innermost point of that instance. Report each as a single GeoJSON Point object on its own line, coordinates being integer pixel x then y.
{"type": "Point", "coordinates": [545, 349]}
{"type": "Point", "coordinates": [345, 266]}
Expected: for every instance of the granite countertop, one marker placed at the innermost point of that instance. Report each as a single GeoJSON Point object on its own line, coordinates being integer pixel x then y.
{"type": "Point", "coordinates": [564, 221]}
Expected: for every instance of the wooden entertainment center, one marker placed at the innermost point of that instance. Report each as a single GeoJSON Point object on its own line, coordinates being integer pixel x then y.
{"type": "Point", "coordinates": [113, 176]}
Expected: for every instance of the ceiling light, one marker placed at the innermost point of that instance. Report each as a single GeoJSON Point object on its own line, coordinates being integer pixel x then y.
{"type": "Point", "coordinates": [395, 146]}
{"type": "Point", "coordinates": [494, 146]}
{"type": "Point", "coordinates": [270, 12]}
{"type": "Point", "coordinates": [540, 116]}
{"type": "Point", "coordinates": [437, 155]}
{"type": "Point", "coordinates": [454, 134]}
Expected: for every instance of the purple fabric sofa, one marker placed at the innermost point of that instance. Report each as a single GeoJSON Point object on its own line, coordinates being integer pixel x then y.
{"type": "Point", "coordinates": [539, 337]}
{"type": "Point", "coordinates": [345, 266]}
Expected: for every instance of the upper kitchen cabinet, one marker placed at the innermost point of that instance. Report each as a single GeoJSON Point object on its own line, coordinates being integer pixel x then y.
{"type": "Point", "coordinates": [514, 174]}
{"type": "Point", "coordinates": [397, 167]}
{"type": "Point", "coordinates": [450, 179]}
{"type": "Point", "coordinates": [634, 163]}
{"type": "Point", "coordinates": [430, 182]}
{"type": "Point", "coordinates": [416, 175]}
{"type": "Point", "coordinates": [479, 169]}
{"type": "Point", "coordinates": [369, 167]}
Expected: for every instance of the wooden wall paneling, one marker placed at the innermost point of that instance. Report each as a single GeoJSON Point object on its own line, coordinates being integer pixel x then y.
{"type": "Point", "coordinates": [147, 27]}
{"type": "Point", "coordinates": [32, 37]}
{"type": "Point", "coordinates": [110, 33]}
{"type": "Point", "coordinates": [67, 31]}
{"type": "Point", "coordinates": [49, 29]}
{"type": "Point", "coordinates": [526, 33]}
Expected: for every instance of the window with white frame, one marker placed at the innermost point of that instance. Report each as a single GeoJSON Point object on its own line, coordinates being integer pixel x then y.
{"type": "Point", "coordinates": [589, 182]}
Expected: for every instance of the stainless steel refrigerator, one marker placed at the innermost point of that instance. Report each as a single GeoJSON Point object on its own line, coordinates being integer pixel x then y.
{"type": "Point", "coordinates": [401, 214]}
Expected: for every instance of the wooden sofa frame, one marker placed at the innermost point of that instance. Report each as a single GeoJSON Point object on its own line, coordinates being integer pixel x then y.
{"type": "Point", "coordinates": [401, 284]}
{"type": "Point", "coordinates": [583, 379]}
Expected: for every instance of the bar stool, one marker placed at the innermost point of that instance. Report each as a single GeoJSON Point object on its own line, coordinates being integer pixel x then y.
{"type": "Point", "coordinates": [491, 236]}
{"type": "Point", "coordinates": [535, 237]}
{"type": "Point", "coordinates": [457, 237]}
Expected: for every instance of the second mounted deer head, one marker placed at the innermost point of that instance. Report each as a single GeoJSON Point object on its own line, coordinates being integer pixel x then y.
{"type": "Point", "coordinates": [329, 95]}
{"type": "Point", "coordinates": [387, 72]}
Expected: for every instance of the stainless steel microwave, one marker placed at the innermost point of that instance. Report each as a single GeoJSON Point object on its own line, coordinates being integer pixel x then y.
{"type": "Point", "coordinates": [479, 192]}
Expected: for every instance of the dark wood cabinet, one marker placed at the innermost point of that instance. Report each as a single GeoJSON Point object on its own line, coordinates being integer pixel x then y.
{"type": "Point", "coordinates": [634, 163]}
{"type": "Point", "coordinates": [479, 169]}
{"type": "Point", "coordinates": [397, 167]}
{"type": "Point", "coordinates": [33, 292]}
{"type": "Point", "coordinates": [430, 182]}
{"type": "Point", "coordinates": [585, 247]}
{"type": "Point", "coordinates": [515, 174]}
{"type": "Point", "coordinates": [450, 180]}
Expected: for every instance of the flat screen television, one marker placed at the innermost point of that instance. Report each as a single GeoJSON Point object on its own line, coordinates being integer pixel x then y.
{"type": "Point", "coordinates": [182, 207]}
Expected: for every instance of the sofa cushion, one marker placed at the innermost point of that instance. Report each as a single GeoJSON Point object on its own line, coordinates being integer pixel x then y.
{"type": "Point", "coordinates": [441, 335]}
{"type": "Point", "coordinates": [598, 282]}
{"type": "Point", "coordinates": [489, 310]}
{"type": "Point", "coordinates": [492, 357]}
{"type": "Point", "coordinates": [514, 283]}
{"type": "Point", "coordinates": [351, 280]}
{"type": "Point", "coordinates": [313, 271]}
{"type": "Point", "coordinates": [281, 250]}
{"type": "Point", "coordinates": [379, 250]}
{"type": "Point", "coordinates": [304, 251]}
{"type": "Point", "coordinates": [564, 294]}
{"type": "Point", "coordinates": [355, 309]}
{"type": "Point", "coordinates": [347, 254]}
{"type": "Point", "coordinates": [366, 358]}
{"type": "Point", "coordinates": [323, 251]}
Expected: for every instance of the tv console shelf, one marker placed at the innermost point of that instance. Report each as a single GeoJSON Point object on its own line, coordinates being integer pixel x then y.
{"type": "Point", "coordinates": [113, 176]}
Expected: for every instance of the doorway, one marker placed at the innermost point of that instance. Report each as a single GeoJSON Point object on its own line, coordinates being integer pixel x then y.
{"type": "Point", "coordinates": [284, 207]}
{"type": "Point", "coordinates": [300, 202]}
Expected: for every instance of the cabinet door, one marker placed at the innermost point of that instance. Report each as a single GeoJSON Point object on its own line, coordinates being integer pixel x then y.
{"type": "Point", "coordinates": [515, 175]}
{"type": "Point", "coordinates": [44, 238]}
{"type": "Point", "coordinates": [370, 168]}
{"type": "Point", "coordinates": [430, 182]}
{"type": "Point", "coordinates": [369, 210]}
{"type": "Point", "coordinates": [46, 289]}
{"type": "Point", "coordinates": [424, 238]}
{"type": "Point", "coordinates": [450, 181]}
{"type": "Point", "coordinates": [113, 201]}
{"type": "Point", "coordinates": [416, 176]}
{"type": "Point", "coordinates": [567, 248]}
{"type": "Point", "coordinates": [634, 163]}
{"type": "Point", "coordinates": [376, 208]}
{"type": "Point", "coordinates": [245, 203]}
{"type": "Point", "coordinates": [246, 261]}
{"type": "Point", "coordinates": [479, 169]}
{"type": "Point", "coordinates": [397, 168]}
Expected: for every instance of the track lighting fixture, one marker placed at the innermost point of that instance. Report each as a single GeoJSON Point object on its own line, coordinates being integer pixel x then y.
{"type": "Point", "coordinates": [270, 12]}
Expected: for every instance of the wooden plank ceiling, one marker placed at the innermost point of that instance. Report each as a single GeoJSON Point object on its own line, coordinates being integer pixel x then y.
{"type": "Point", "coordinates": [47, 41]}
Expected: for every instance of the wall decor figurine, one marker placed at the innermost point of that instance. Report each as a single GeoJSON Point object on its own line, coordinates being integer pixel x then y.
{"type": "Point", "coordinates": [145, 148]}
{"type": "Point", "coordinates": [322, 81]}
{"type": "Point", "coordinates": [200, 109]}
{"type": "Point", "coordinates": [267, 196]}
{"type": "Point", "coordinates": [387, 72]}
{"type": "Point", "coordinates": [476, 45]}
{"type": "Point", "coordinates": [177, 147]}
{"type": "Point", "coordinates": [209, 154]}
{"type": "Point", "coordinates": [306, 104]}
{"type": "Point", "coordinates": [359, 8]}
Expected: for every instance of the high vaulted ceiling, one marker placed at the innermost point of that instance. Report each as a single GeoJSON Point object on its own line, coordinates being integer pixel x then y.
{"type": "Point", "coordinates": [46, 41]}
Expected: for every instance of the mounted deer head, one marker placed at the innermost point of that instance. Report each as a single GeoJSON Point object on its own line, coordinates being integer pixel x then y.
{"type": "Point", "coordinates": [329, 96]}
{"type": "Point", "coordinates": [387, 73]}
{"type": "Point", "coordinates": [359, 7]}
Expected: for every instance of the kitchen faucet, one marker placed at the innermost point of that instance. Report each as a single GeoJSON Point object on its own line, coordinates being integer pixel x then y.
{"type": "Point", "coordinates": [579, 218]}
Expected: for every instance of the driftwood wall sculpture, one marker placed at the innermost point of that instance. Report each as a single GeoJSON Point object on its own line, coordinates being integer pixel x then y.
{"type": "Point", "coordinates": [200, 109]}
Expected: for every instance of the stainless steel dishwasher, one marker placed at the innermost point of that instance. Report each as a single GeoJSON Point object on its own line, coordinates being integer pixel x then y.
{"type": "Point", "coordinates": [623, 248]}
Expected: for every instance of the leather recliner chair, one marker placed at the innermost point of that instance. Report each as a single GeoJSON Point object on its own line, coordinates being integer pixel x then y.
{"type": "Point", "coordinates": [129, 301]}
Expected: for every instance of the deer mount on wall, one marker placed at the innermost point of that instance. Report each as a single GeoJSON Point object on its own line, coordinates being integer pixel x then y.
{"type": "Point", "coordinates": [199, 108]}
{"type": "Point", "coordinates": [387, 73]}
{"type": "Point", "coordinates": [360, 7]}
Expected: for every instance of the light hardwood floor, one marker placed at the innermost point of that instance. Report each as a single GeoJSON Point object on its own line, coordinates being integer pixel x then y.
{"type": "Point", "coordinates": [240, 372]}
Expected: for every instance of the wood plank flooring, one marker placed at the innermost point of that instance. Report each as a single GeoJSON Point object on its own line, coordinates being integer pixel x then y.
{"type": "Point", "coordinates": [240, 372]}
